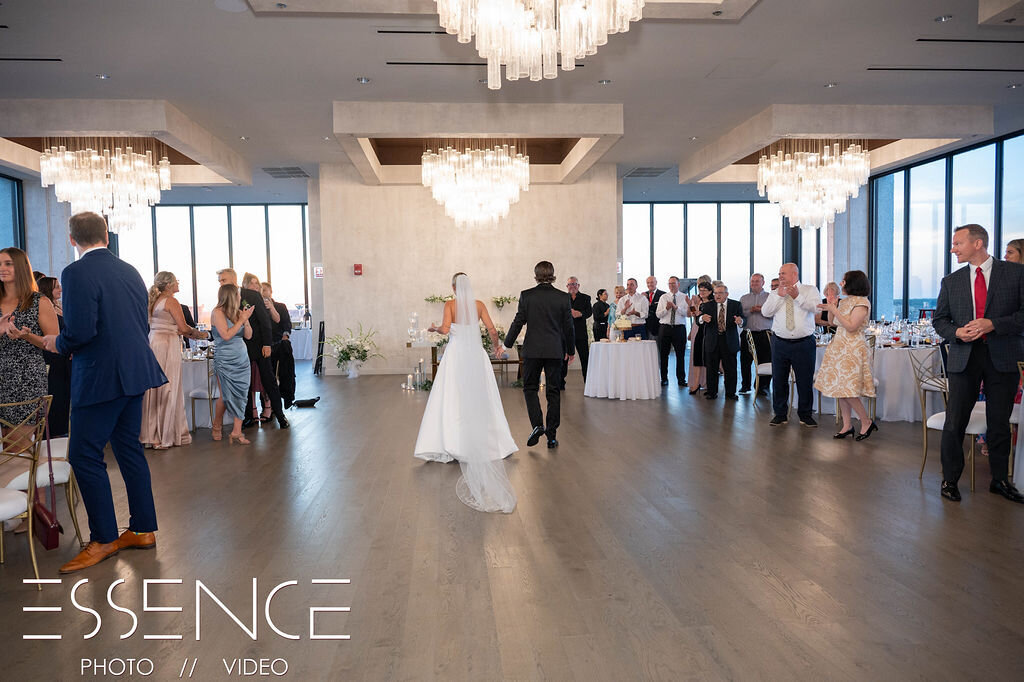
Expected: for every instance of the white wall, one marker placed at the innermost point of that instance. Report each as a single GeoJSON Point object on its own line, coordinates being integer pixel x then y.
{"type": "Point", "coordinates": [409, 250]}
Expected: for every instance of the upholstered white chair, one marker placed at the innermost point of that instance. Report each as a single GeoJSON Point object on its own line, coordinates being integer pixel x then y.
{"type": "Point", "coordinates": [761, 369]}
{"type": "Point", "coordinates": [62, 475]}
{"type": "Point", "coordinates": [209, 394]}
{"type": "Point", "coordinates": [930, 377]}
{"type": "Point", "coordinates": [976, 426]}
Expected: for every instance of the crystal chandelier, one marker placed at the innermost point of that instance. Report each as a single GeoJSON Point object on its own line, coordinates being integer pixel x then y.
{"type": "Point", "coordinates": [121, 185]}
{"type": "Point", "coordinates": [811, 180]}
{"type": "Point", "coordinates": [527, 35]}
{"type": "Point", "coordinates": [476, 186]}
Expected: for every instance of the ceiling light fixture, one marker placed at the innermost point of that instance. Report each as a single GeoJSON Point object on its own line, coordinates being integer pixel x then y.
{"type": "Point", "coordinates": [119, 182]}
{"type": "Point", "coordinates": [717, 13]}
{"type": "Point", "coordinates": [327, 138]}
{"type": "Point", "coordinates": [476, 184]}
{"type": "Point", "coordinates": [281, 5]}
{"type": "Point", "coordinates": [1014, 86]}
{"type": "Point", "coordinates": [362, 80]}
{"type": "Point", "coordinates": [812, 180]}
{"type": "Point", "coordinates": [694, 138]}
{"type": "Point", "coordinates": [243, 138]}
{"type": "Point", "coordinates": [604, 81]}
{"type": "Point", "coordinates": [527, 36]}
{"type": "Point", "coordinates": [103, 76]}
{"type": "Point", "coordinates": [831, 85]}
{"type": "Point", "coordinates": [944, 18]}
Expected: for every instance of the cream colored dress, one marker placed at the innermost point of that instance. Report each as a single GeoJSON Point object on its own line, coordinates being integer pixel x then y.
{"type": "Point", "coordinates": [845, 370]}
{"type": "Point", "coordinates": [163, 407]}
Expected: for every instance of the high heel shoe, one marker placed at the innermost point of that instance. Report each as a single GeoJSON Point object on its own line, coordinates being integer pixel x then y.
{"type": "Point", "coordinates": [240, 438]}
{"type": "Point", "coordinates": [694, 391]}
{"type": "Point", "coordinates": [863, 436]}
{"type": "Point", "coordinates": [843, 434]}
{"type": "Point", "coordinates": [217, 431]}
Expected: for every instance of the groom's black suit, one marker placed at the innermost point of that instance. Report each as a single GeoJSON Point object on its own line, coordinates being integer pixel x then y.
{"type": "Point", "coordinates": [549, 331]}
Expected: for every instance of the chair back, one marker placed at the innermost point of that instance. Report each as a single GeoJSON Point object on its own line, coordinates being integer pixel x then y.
{"type": "Point", "coordinates": [33, 425]}
{"type": "Point", "coordinates": [929, 371]}
{"type": "Point", "coordinates": [925, 313]}
{"type": "Point", "coordinates": [872, 341]}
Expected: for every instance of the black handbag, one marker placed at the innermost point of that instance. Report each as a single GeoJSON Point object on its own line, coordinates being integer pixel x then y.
{"type": "Point", "coordinates": [45, 525]}
{"type": "Point", "coordinates": [306, 402]}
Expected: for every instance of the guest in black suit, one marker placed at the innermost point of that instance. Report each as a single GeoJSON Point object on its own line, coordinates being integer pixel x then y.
{"type": "Point", "coordinates": [259, 346]}
{"type": "Point", "coordinates": [980, 312]}
{"type": "Point", "coordinates": [722, 319]}
{"type": "Point", "coordinates": [581, 310]}
{"type": "Point", "coordinates": [281, 357]}
{"type": "Point", "coordinates": [653, 295]}
{"type": "Point", "coordinates": [549, 331]}
{"type": "Point", "coordinates": [601, 310]}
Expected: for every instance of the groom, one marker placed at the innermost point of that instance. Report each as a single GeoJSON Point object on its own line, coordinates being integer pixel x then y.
{"type": "Point", "coordinates": [549, 335]}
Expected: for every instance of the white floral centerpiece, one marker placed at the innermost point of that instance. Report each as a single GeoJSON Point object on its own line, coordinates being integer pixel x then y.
{"type": "Point", "coordinates": [353, 350]}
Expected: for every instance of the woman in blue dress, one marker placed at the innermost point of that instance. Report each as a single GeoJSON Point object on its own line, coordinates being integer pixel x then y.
{"type": "Point", "coordinates": [230, 360]}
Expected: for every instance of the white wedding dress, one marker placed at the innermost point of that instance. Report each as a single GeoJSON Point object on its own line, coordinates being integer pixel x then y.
{"type": "Point", "coordinates": [464, 419]}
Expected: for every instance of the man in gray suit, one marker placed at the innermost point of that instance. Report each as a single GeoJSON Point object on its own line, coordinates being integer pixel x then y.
{"type": "Point", "coordinates": [549, 343]}
{"type": "Point", "coordinates": [980, 312]}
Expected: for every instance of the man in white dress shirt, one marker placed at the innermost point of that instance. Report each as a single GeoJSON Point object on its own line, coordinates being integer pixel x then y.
{"type": "Point", "coordinates": [672, 312]}
{"type": "Point", "coordinates": [792, 307]}
{"type": "Point", "coordinates": [634, 307]}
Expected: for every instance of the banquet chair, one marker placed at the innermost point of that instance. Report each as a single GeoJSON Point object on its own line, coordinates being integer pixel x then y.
{"type": "Point", "coordinates": [63, 475]}
{"type": "Point", "coordinates": [930, 377]}
{"type": "Point", "coordinates": [872, 341]}
{"type": "Point", "coordinates": [209, 394]}
{"type": "Point", "coordinates": [761, 369]}
{"type": "Point", "coordinates": [17, 504]}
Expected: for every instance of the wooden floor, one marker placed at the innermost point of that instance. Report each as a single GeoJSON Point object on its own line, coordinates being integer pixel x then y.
{"type": "Point", "coordinates": [669, 539]}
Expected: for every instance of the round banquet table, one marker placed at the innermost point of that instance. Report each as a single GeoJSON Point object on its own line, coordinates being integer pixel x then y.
{"type": "Point", "coordinates": [627, 371]}
{"type": "Point", "coordinates": [193, 376]}
{"type": "Point", "coordinates": [302, 343]}
{"type": "Point", "coordinates": [897, 399]}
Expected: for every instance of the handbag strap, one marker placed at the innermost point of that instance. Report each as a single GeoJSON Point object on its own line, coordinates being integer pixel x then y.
{"type": "Point", "coordinates": [49, 462]}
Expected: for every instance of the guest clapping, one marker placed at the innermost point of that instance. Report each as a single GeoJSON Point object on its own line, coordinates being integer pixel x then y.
{"type": "Point", "coordinates": [231, 361]}
{"type": "Point", "coordinates": [792, 307]}
{"type": "Point", "coordinates": [58, 376]}
{"type": "Point", "coordinates": [698, 373]}
{"type": "Point", "coordinates": [26, 316]}
{"type": "Point", "coordinates": [163, 408]}
{"type": "Point", "coordinates": [721, 320]}
{"type": "Point", "coordinates": [282, 359]}
{"type": "Point", "coordinates": [822, 318]}
{"type": "Point", "coordinates": [672, 311]}
{"type": "Point", "coordinates": [756, 326]}
{"type": "Point", "coordinates": [634, 307]}
{"type": "Point", "coordinates": [845, 373]}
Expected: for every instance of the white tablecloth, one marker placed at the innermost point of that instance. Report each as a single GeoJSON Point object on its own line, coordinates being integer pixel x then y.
{"type": "Point", "coordinates": [897, 399]}
{"type": "Point", "coordinates": [302, 344]}
{"type": "Point", "coordinates": [193, 376]}
{"type": "Point", "coordinates": [627, 371]}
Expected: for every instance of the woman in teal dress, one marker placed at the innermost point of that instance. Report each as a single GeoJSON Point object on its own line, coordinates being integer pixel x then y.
{"type": "Point", "coordinates": [230, 360]}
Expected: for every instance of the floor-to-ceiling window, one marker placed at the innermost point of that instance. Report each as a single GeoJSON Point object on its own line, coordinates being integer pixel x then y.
{"type": "Point", "coordinates": [194, 242]}
{"type": "Point", "coordinates": [915, 209]}
{"type": "Point", "coordinates": [12, 229]}
{"type": "Point", "coordinates": [726, 241]}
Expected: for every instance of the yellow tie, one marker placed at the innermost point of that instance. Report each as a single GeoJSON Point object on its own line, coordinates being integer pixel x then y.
{"type": "Point", "coordinates": [790, 321]}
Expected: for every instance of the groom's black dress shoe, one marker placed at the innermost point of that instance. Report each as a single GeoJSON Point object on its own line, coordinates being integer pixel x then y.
{"type": "Point", "coordinates": [1007, 490]}
{"type": "Point", "coordinates": [552, 443]}
{"type": "Point", "coordinates": [535, 435]}
{"type": "Point", "coordinates": [950, 491]}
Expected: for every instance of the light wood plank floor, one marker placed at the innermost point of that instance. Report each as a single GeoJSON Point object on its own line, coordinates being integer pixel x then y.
{"type": "Point", "coordinates": [669, 539]}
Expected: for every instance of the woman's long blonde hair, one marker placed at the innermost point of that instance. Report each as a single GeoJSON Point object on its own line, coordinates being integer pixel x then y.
{"type": "Point", "coordinates": [161, 281]}
{"type": "Point", "coordinates": [228, 300]}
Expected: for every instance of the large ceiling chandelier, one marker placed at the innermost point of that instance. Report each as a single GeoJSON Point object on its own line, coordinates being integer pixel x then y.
{"type": "Point", "coordinates": [811, 180]}
{"type": "Point", "coordinates": [476, 186]}
{"type": "Point", "coordinates": [107, 176]}
{"type": "Point", "coordinates": [527, 35]}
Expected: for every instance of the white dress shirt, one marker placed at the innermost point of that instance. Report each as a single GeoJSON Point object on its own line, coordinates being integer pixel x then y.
{"type": "Point", "coordinates": [986, 271]}
{"type": "Point", "coordinates": [102, 246]}
{"type": "Point", "coordinates": [804, 307]}
{"type": "Point", "coordinates": [638, 313]}
{"type": "Point", "coordinates": [664, 313]}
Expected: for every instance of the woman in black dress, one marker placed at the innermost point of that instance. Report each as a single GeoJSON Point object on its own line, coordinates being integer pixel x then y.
{"type": "Point", "coordinates": [26, 316]}
{"type": "Point", "coordinates": [601, 309]}
{"type": "Point", "coordinates": [698, 373]}
{"type": "Point", "coordinates": [58, 379]}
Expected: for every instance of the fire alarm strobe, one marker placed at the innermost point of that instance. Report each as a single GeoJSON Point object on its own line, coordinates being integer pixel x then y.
{"type": "Point", "coordinates": [357, 269]}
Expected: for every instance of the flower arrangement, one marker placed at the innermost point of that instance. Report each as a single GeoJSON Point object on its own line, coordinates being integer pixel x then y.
{"type": "Point", "coordinates": [356, 347]}
{"type": "Point", "coordinates": [436, 298]}
{"type": "Point", "coordinates": [440, 340]}
{"type": "Point", "coordinates": [502, 301]}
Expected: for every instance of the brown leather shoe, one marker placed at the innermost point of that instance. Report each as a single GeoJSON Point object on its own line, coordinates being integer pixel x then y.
{"type": "Point", "coordinates": [93, 553]}
{"type": "Point", "coordinates": [131, 540]}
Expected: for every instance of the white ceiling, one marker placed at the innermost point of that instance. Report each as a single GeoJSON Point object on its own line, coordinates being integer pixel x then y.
{"type": "Point", "coordinates": [273, 79]}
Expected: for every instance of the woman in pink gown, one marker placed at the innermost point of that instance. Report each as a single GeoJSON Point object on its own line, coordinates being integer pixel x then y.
{"type": "Point", "coordinates": [163, 407]}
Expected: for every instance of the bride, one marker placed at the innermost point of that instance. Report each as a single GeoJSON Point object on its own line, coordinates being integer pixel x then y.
{"type": "Point", "coordinates": [464, 419]}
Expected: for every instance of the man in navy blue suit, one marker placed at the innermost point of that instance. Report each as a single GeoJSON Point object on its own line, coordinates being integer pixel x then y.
{"type": "Point", "coordinates": [106, 329]}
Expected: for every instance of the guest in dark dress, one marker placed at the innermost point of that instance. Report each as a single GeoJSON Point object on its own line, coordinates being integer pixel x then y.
{"type": "Point", "coordinates": [698, 373]}
{"type": "Point", "coordinates": [26, 316]}
{"type": "Point", "coordinates": [822, 319]}
{"type": "Point", "coordinates": [601, 310]}
{"type": "Point", "coordinates": [58, 377]}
